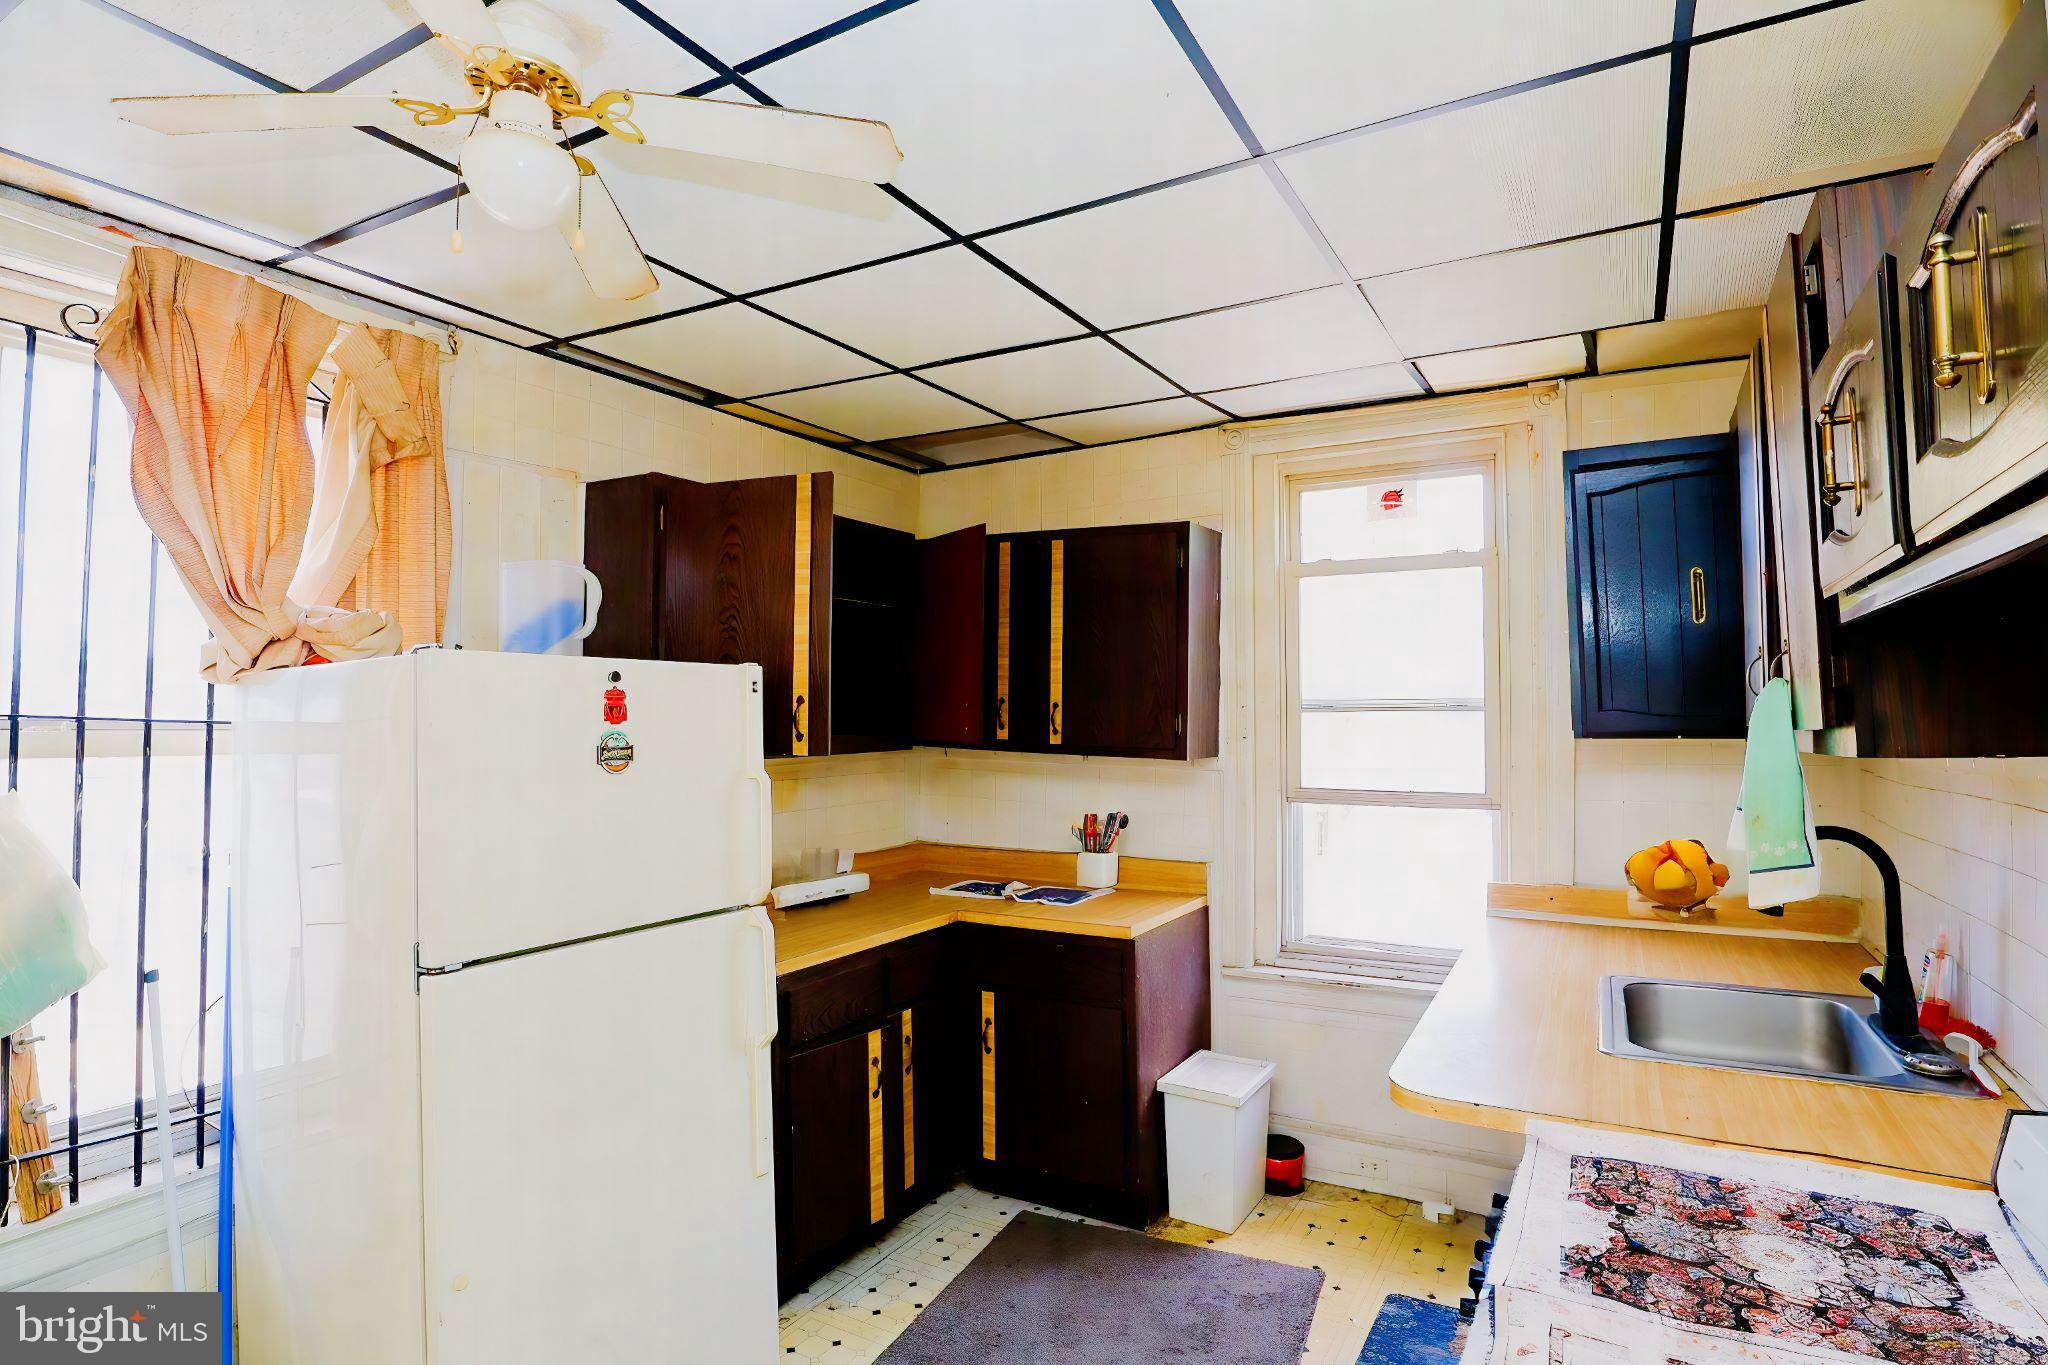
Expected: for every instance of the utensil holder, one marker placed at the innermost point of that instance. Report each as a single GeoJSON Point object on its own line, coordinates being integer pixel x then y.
{"type": "Point", "coordinates": [1095, 869]}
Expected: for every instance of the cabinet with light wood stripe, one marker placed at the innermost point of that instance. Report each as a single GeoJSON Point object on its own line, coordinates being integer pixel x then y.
{"type": "Point", "coordinates": [1028, 1058]}
{"type": "Point", "coordinates": [1105, 640]}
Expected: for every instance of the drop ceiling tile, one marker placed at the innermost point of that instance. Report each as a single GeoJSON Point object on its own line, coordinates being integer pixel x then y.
{"type": "Point", "coordinates": [1312, 333]}
{"type": "Point", "coordinates": [737, 32]}
{"type": "Point", "coordinates": [1866, 88]}
{"type": "Point", "coordinates": [876, 409]}
{"type": "Point", "coordinates": [297, 44]}
{"type": "Point", "coordinates": [744, 226]}
{"type": "Point", "coordinates": [1576, 157]}
{"type": "Point", "coordinates": [1539, 291]}
{"type": "Point", "coordinates": [1367, 385]}
{"type": "Point", "coordinates": [1209, 243]}
{"type": "Point", "coordinates": [531, 278]}
{"type": "Point", "coordinates": [1008, 110]}
{"type": "Point", "coordinates": [1304, 68]}
{"type": "Point", "coordinates": [1512, 364]}
{"type": "Point", "coordinates": [1726, 260]}
{"type": "Point", "coordinates": [341, 276]}
{"type": "Point", "coordinates": [1140, 419]}
{"type": "Point", "coordinates": [286, 186]}
{"type": "Point", "coordinates": [734, 350]}
{"type": "Point", "coordinates": [928, 307]}
{"type": "Point", "coordinates": [1088, 373]}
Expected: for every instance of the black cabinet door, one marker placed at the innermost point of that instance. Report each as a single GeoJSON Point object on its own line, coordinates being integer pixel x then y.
{"type": "Point", "coordinates": [830, 1121]}
{"type": "Point", "coordinates": [1656, 585]}
{"type": "Point", "coordinates": [932, 1099]}
{"type": "Point", "coordinates": [948, 636]}
{"type": "Point", "coordinates": [872, 608]}
{"type": "Point", "coordinates": [1119, 616]}
{"type": "Point", "coordinates": [1059, 1087]}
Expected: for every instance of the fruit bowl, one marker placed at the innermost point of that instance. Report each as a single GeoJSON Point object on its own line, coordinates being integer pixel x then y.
{"type": "Point", "coordinates": [1676, 875]}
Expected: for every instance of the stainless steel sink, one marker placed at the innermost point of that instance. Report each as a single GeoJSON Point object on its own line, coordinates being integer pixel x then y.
{"type": "Point", "coordinates": [1752, 1028]}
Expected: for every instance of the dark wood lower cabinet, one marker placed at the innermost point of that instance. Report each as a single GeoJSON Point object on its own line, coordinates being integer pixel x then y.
{"type": "Point", "coordinates": [1025, 1058]}
{"type": "Point", "coordinates": [825, 1175]}
{"type": "Point", "coordinates": [1059, 1088]}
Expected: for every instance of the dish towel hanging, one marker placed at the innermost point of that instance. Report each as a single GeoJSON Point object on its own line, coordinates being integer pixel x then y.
{"type": "Point", "coordinates": [1772, 832]}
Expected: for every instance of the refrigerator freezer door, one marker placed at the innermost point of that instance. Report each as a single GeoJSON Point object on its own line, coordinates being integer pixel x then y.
{"type": "Point", "coordinates": [594, 1190]}
{"type": "Point", "coordinates": [526, 840]}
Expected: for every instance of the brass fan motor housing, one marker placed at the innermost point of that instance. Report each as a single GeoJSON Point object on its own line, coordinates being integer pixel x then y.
{"type": "Point", "coordinates": [491, 69]}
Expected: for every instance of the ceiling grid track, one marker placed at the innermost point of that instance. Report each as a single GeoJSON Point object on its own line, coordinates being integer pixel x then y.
{"type": "Point", "coordinates": [1674, 148]}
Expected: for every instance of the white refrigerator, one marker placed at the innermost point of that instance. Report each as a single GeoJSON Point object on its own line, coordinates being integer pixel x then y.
{"type": "Point", "coordinates": [502, 1002]}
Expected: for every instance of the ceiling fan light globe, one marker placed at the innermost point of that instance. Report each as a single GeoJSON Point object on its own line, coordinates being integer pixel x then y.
{"type": "Point", "coordinates": [520, 177]}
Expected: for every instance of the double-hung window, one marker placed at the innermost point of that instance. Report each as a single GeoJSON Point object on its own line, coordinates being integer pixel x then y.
{"type": "Point", "coordinates": [1394, 717]}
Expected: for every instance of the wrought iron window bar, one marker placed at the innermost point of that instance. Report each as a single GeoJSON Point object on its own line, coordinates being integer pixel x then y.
{"type": "Point", "coordinates": [86, 1133]}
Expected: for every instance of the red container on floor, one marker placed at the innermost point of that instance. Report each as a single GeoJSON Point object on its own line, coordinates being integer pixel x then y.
{"type": "Point", "coordinates": [1286, 1160]}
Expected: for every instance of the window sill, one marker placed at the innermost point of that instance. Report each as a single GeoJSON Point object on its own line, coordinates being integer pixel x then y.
{"type": "Point", "coordinates": [112, 1218]}
{"type": "Point", "coordinates": [1361, 979]}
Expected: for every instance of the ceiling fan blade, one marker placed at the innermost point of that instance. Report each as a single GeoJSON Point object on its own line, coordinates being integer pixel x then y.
{"type": "Point", "coordinates": [259, 113]}
{"type": "Point", "coordinates": [827, 144]}
{"type": "Point", "coordinates": [466, 21]}
{"type": "Point", "coordinates": [610, 257]}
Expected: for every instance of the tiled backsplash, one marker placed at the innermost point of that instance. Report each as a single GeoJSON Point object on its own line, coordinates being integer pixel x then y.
{"type": "Point", "coordinates": [856, 801]}
{"type": "Point", "coordinates": [1032, 801]}
{"type": "Point", "coordinates": [1636, 792]}
{"type": "Point", "coordinates": [1970, 837]}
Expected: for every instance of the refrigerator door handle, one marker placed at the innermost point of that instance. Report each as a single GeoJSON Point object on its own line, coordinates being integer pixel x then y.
{"type": "Point", "coordinates": [760, 1122]}
{"type": "Point", "coordinates": [764, 816]}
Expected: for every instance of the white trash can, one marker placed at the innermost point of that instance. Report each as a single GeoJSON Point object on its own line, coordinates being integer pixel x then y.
{"type": "Point", "coordinates": [1216, 1108]}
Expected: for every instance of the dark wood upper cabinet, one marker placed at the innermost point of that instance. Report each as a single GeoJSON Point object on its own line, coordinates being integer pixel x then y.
{"type": "Point", "coordinates": [731, 572]}
{"type": "Point", "coordinates": [1099, 640]}
{"type": "Point", "coordinates": [1976, 297]}
{"type": "Point", "coordinates": [1656, 589]}
{"type": "Point", "coordinates": [948, 639]}
{"type": "Point", "coordinates": [1105, 640]}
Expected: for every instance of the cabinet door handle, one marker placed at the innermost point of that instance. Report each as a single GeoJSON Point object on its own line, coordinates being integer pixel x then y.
{"type": "Point", "coordinates": [1055, 718]}
{"type": "Point", "coordinates": [1699, 595]}
{"type": "Point", "coordinates": [988, 1023]}
{"type": "Point", "coordinates": [1001, 725]}
{"type": "Point", "coordinates": [906, 1052]}
{"type": "Point", "coordinates": [1940, 256]}
{"type": "Point", "coordinates": [876, 1064]}
{"type": "Point", "coordinates": [796, 719]}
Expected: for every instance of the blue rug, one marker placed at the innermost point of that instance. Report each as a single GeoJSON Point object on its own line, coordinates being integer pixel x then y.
{"type": "Point", "coordinates": [1412, 1331]}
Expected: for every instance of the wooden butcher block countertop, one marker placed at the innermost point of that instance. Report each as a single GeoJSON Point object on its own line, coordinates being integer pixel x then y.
{"type": "Point", "coordinates": [899, 903]}
{"type": "Point", "coordinates": [1514, 1034]}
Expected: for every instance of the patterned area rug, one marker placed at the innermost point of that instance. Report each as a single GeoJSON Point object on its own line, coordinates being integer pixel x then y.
{"type": "Point", "coordinates": [1412, 1331]}
{"type": "Point", "coordinates": [1050, 1291]}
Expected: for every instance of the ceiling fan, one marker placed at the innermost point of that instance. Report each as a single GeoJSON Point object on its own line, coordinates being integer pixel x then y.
{"type": "Point", "coordinates": [523, 68]}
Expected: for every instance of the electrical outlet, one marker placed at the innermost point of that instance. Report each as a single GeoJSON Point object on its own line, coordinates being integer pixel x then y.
{"type": "Point", "coordinates": [1373, 1167]}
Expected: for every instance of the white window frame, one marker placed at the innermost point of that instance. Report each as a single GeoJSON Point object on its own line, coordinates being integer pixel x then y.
{"type": "Point", "coordinates": [1296, 946]}
{"type": "Point", "coordinates": [1521, 432]}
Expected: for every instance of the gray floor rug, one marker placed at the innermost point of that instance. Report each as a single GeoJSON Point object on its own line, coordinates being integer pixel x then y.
{"type": "Point", "coordinates": [1049, 1291]}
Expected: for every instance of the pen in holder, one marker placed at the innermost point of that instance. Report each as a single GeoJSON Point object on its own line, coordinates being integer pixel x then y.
{"type": "Point", "coordinates": [1095, 869]}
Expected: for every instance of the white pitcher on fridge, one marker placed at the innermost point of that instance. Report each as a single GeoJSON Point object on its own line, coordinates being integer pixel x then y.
{"type": "Point", "coordinates": [546, 606]}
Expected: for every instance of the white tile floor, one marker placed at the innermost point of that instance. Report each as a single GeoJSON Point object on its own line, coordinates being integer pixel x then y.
{"type": "Point", "coordinates": [1367, 1245]}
